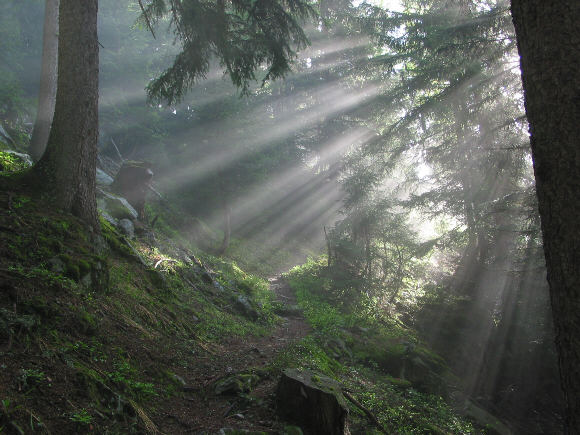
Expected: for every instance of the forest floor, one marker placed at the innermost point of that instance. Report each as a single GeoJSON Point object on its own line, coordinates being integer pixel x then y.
{"type": "Point", "coordinates": [201, 410]}
{"type": "Point", "coordinates": [167, 348]}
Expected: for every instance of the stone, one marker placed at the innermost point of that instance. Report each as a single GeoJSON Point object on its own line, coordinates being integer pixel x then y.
{"type": "Point", "coordinates": [119, 207]}
{"type": "Point", "coordinates": [25, 158]}
{"type": "Point", "coordinates": [243, 305]}
{"type": "Point", "coordinates": [103, 179]}
{"type": "Point", "coordinates": [108, 217]}
{"type": "Point", "coordinates": [313, 402]}
{"type": "Point", "coordinates": [87, 281]}
{"type": "Point", "coordinates": [484, 419]}
{"type": "Point", "coordinates": [4, 135]}
{"type": "Point", "coordinates": [56, 265]}
{"type": "Point", "coordinates": [127, 228]}
{"type": "Point", "coordinates": [236, 384]}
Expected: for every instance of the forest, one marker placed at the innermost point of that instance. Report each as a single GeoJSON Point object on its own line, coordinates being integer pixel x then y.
{"type": "Point", "coordinates": [297, 217]}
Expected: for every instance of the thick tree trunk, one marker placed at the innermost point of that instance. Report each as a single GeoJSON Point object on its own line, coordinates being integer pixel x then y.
{"type": "Point", "coordinates": [548, 36]}
{"type": "Point", "coordinates": [67, 169]}
{"type": "Point", "coordinates": [48, 78]}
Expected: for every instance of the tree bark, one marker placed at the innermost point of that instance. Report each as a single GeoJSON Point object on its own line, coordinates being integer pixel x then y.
{"type": "Point", "coordinates": [548, 36]}
{"type": "Point", "coordinates": [227, 228]}
{"type": "Point", "coordinates": [48, 79]}
{"type": "Point", "coordinates": [67, 169]}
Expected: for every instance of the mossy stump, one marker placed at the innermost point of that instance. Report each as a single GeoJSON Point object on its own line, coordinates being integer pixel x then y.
{"type": "Point", "coordinates": [312, 401]}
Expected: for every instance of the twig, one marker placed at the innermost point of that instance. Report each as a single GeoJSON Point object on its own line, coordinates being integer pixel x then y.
{"type": "Point", "coordinates": [169, 260]}
{"type": "Point", "coordinates": [229, 410]}
{"type": "Point", "coordinates": [118, 152]}
{"type": "Point", "coordinates": [368, 413]}
{"type": "Point", "coordinates": [147, 19]}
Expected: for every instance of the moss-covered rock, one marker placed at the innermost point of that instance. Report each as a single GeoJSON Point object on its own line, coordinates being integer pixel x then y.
{"type": "Point", "coordinates": [236, 384]}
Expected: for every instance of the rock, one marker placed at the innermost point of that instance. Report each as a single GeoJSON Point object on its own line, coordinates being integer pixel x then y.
{"type": "Point", "coordinates": [87, 281]}
{"type": "Point", "coordinates": [286, 310]}
{"type": "Point", "coordinates": [179, 379]}
{"type": "Point", "coordinates": [127, 228]}
{"type": "Point", "coordinates": [230, 431]}
{"type": "Point", "coordinates": [109, 218]}
{"type": "Point", "coordinates": [292, 430]}
{"type": "Point", "coordinates": [103, 178]}
{"type": "Point", "coordinates": [484, 419]}
{"type": "Point", "coordinates": [56, 265]}
{"type": "Point", "coordinates": [236, 384]}
{"type": "Point", "coordinates": [119, 207]}
{"type": "Point", "coordinates": [312, 401]}
{"type": "Point", "coordinates": [24, 158]}
{"type": "Point", "coordinates": [244, 306]}
{"type": "Point", "coordinates": [5, 136]}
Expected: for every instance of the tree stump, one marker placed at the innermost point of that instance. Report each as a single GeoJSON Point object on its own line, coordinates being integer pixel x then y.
{"type": "Point", "coordinates": [312, 401]}
{"type": "Point", "coordinates": [132, 182]}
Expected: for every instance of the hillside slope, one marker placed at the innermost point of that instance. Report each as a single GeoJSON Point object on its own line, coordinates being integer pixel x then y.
{"type": "Point", "coordinates": [147, 335]}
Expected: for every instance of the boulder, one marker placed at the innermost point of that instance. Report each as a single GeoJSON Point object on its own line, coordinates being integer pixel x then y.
{"type": "Point", "coordinates": [127, 228]}
{"type": "Point", "coordinates": [313, 402]}
{"type": "Point", "coordinates": [118, 207]}
{"type": "Point", "coordinates": [244, 307]}
{"type": "Point", "coordinates": [4, 136]}
{"type": "Point", "coordinates": [107, 216]}
{"type": "Point", "coordinates": [103, 179]}
{"type": "Point", "coordinates": [236, 384]}
{"type": "Point", "coordinates": [485, 419]}
{"type": "Point", "coordinates": [17, 161]}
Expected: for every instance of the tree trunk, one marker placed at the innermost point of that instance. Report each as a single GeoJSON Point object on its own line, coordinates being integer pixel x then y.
{"type": "Point", "coordinates": [67, 170]}
{"type": "Point", "coordinates": [548, 36]}
{"type": "Point", "coordinates": [227, 227]}
{"type": "Point", "coordinates": [48, 78]}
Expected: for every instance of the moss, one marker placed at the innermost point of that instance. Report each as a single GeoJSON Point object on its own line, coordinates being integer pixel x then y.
{"type": "Point", "coordinates": [10, 162]}
{"type": "Point", "coordinates": [86, 323]}
{"type": "Point", "coordinates": [84, 267]}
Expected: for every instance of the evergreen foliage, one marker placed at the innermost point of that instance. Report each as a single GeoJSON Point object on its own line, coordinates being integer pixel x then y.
{"type": "Point", "coordinates": [244, 35]}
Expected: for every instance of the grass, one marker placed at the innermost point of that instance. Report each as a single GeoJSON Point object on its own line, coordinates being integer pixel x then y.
{"type": "Point", "coordinates": [372, 357]}
{"type": "Point", "coordinates": [112, 350]}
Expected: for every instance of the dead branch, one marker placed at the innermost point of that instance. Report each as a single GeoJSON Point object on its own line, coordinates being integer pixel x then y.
{"type": "Point", "coordinates": [368, 413]}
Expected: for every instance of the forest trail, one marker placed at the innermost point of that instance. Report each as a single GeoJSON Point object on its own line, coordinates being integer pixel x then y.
{"type": "Point", "coordinates": [201, 410]}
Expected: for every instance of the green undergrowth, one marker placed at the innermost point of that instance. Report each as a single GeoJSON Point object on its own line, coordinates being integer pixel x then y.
{"type": "Point", "coordinates": [10, 162]}
{"type": "Point", "coordinates": [95, 329]}
{"type": "Point", "coordinates": [382, 363]}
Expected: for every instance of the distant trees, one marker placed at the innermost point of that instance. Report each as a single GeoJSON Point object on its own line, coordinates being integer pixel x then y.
{"type": "Point", "coordinates": [451, 142]}
{"type": "Point", "coordinates": [548, 38]}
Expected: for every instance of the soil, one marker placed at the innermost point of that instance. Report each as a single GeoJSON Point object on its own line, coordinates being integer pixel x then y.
{"type": "Point", "coordinates": [200, 410]}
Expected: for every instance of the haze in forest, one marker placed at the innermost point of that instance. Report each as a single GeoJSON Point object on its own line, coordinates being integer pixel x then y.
{"type": "Point", "coordinates": [394, 157]}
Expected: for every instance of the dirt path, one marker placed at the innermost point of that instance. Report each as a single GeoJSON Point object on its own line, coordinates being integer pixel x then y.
{"type": "Point", "coordinates": [201, 411]}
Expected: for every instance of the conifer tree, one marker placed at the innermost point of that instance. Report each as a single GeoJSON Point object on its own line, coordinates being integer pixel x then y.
{"type": "Point", "coordinates": [548, 38]}
{"type": "Point", "coordinates": [241, 35]}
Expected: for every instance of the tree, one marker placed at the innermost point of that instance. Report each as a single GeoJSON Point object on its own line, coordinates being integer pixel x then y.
{"type": "Point", "coordinates": [243, 37]}
{"type": "Point", "coordinates": [48, 78]}
{"type": "Point", "coordinates": [67, 169]}
{"type": "Point", "coordinates": [548, 37]}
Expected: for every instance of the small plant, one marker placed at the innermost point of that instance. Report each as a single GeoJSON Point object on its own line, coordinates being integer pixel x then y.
{"type": "Point", "coordinates": [124, 377]}
{"type": "Point", "coordinates": [30, 378]}
{"type": "Point", "coordinates": [82, 417]}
